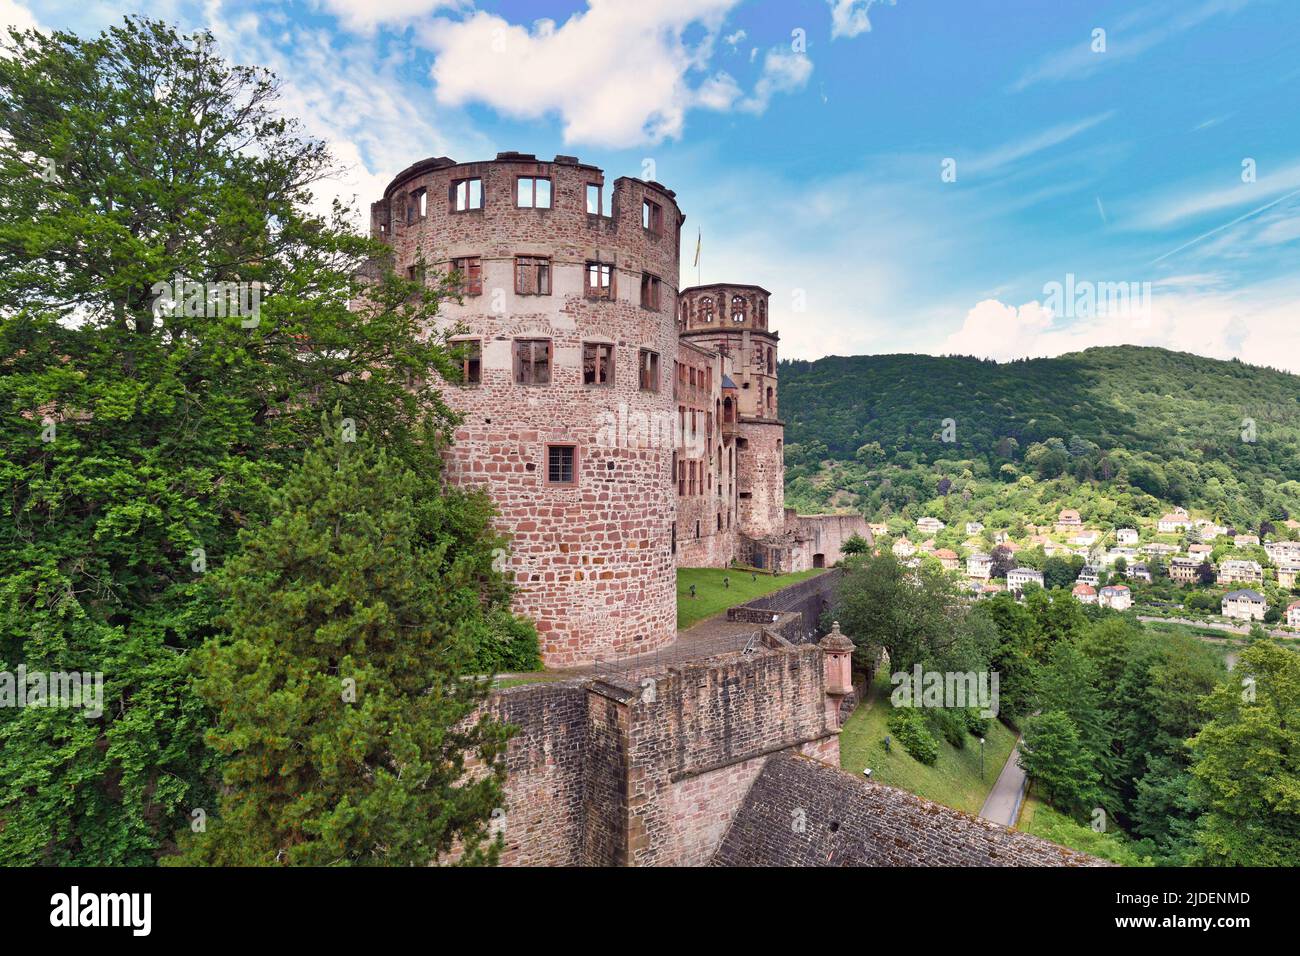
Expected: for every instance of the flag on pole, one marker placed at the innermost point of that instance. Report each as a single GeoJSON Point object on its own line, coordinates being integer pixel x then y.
{"type": "Point", "coordinates": [697, 249]}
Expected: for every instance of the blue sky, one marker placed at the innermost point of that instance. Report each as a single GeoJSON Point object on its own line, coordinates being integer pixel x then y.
{"type": "Point", "coordinates": [807, 141]}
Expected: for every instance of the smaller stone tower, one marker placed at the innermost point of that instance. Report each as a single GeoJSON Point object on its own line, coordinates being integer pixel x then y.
{"type": "Point", "coordinates": [731, 319]}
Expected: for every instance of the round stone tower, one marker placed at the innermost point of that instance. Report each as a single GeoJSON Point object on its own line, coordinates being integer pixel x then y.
{"type": "Point", "coordinates": [732, 319]}
{"type": "Point", "coordinates": [568, 326]}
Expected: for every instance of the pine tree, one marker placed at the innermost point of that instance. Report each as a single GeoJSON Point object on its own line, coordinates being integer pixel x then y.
{"type": "Point", "coordinates": [342, 709]}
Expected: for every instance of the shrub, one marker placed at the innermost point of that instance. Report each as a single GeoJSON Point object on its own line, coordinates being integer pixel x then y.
{"type": "Point", "coordinates": [908, 726]}
{"type": "Point", "coordinates": [975, 724]}
{"type": "Point", "coordinates": [950, 723]}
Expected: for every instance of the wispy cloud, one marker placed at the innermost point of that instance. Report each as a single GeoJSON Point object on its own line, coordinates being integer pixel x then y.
{"type": "Point", "coordinates": [1124, 41]}
{"type": "Point", "coordinates": [849, 18]}
{"type": "Point", "coordinates": [1012, 152]}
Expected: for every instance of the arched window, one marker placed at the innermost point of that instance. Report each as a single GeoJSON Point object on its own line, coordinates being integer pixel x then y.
{"type": "Point", "coordinates": [771, 399]}
{"type": "Point", "coordinates": [706, 309]}
{"type": "Point", "coordinates": [771, 361]}
{"type": "Point", "coordinates": [684, 313]}
{"type": "Point", "coordinates": [762, 314]}
{"type": "Point", "coordinates": [737, 308]}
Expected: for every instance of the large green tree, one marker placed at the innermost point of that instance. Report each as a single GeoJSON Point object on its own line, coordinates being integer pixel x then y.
{"type": "Point", "coordinates": [1246, 763]}
{"type": "Point", "coordinates": [339, 694]}
{"type": "Point", "coordinates": [136, 441]}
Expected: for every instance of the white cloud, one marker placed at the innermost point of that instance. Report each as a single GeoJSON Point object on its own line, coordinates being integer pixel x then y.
{"type": "Point", "coordinates": [364, 16]}
{"type": "Point", "coordinates": [14, 14]}
{"type": "Point", "coordinates": [734, 39]}
{"type": "Point", "coordinates": [849, 17]}
{"type": "Point", "coordinates": [783, 72]}
{"type": "Point", "coordinates": [617, 74]}
{"type": "Point", "coordinates": [1255, 325]}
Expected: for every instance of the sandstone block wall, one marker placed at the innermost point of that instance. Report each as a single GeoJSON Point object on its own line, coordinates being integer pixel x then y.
{"type": "Point", "coordinates": [593, 559]}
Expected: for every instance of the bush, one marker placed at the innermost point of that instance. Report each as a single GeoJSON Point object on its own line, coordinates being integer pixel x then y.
{"type": "Point", "coordinates": [908, 726]}
{"type": "Point", "coordinates": [975, 724]}
{"type": "Point", "coordinates": [949, 723]}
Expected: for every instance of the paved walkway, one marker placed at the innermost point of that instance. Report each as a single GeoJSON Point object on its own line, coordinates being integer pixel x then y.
{"type": "Point", "coordinates": [1003, 803]}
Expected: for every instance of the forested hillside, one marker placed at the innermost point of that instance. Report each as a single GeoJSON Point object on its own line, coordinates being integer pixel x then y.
{"type": "Point", "coordinates": [1115, 432]}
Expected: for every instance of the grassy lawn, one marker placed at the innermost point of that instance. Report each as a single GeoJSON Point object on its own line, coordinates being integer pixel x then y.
{"type": "Point", "coordinates": [712, 598]}
{"type": "Point", "coordinates": [954, 780]}
{"type": "Point", "coordinates": [1038, 818]}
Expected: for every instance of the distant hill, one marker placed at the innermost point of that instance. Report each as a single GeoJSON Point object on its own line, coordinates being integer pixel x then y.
{"type": "Point", "coordinates": [1122, 431]}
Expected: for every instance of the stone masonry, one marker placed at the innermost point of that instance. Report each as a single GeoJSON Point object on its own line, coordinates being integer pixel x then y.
{"type": "Point", "coordinates": [622, 430]}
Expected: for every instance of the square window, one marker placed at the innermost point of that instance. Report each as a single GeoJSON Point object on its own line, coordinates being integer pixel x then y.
{"type": "Point", "coordinates": [593, 199]}
{"type": "Point", "coordinates": [532, 275]}
{"type": "Point", "coordinates": [650, 287]}
{"type": "Point", "coordinates": [649, 366]}
{"type": "Point", "coordinates": [652, 217]}
{"type": "Point", "coordinates": [466, 194]}
{"type": "Point", "coordinates": [532, 361]}
{"type": "Point", "coordinates": [599, 280]}
{"type": "Point", "coordinates": [471, 360]}
{"type": "Point", "coordinates": [561, 464]}
{"type": "Point", "coordinates": [470, 272]}
{"type": "Point", "coordinates": [597, 363]}
{"type": "Point", "coordinates": [533, 192]}
{"type": "Point", "coordinates": [417, 205]}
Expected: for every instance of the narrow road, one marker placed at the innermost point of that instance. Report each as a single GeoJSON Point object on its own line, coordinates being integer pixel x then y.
{"type": "Point", "coordinates": [1003, 803]}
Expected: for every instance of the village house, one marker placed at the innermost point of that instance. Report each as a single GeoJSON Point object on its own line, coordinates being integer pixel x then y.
{"type": "Point", "coordinates": [948, 559]}
{"type": "Point", "coordinates": [1293, 614]}
{"type": "Point", "coordinates": [903, 548]}
{"type": "Point", "coordinates": [1114, 554]}
{"type": "Point", "coordinates": [1208, 530]}
{"type": "Point", "coordinates": [1117, 597]}
{"type": "Point", "coordinates": [1286, 574]}
{"type": "Point", "coordinates": [1173, 522]}
{"type": "Point", "coordinates": [1089, 574]}
{"type": "Point", "coordinates": [1245, 605]}
{"type": "Point", "coordinates": [978, 565]}
{"type": "Point", "coordinates": [1201, 552]}
{"type": "Point", "coordinates": [1160, 548]}
{"type": "Point", "coordinates": [1283, 551]}
{"type": "Point", "coordinates": [1017, 578]}
{"type": "Point", "coordinates": [1139, 572]}
{"type": "Point", "coordinates": [974, 527]}
{"type": "Point", "coordinates": [930, 525]}
{"type": "Point", "coordinates": [1068, 520]}
{"type": "Point", "coordinates": [1001, 537]}
{"type": "Point", "coordinates": [1246, 540]}
{"type": "Point", "coordinates": [1184, 570]}
{"type": "Point", "coordinates": [1126, 536]}
{"type": "Point", "coordinates": [880, 529]}
{"type": "Point", "coordinates": [1086, 538]}
{"type": "Point", "coordinates": [1231, 572]}
{"type": "Point", "coordinates": [1085, 593]}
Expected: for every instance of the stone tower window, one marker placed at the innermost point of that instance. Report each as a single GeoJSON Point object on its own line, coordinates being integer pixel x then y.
{"type": "Point", "coordinates": [771, 399]}
{"type": "Point", "coordinates": [650, 288]}
{"type": "Point", "coordinates": [652, 217]}
{"type": "Point", "coordinates": [532, 361]}
{"type": "Point", "coordinates": [597, 363]}
{"type": "Point", "coordinates": [466, 194]}
{"type": "Point", "coordinates": [649, 366]}
{"type": "Point", "coordinates": [532, 275]}
{"type": "Point", "coordinates": [737, 308]}
{"type": "Point", "coordinates": [533, 192]}
{"type": "Point", "coordinates": [469, 269]}
{"type": "Point", "coordinates": [471, 360]}
{"type": "Point", "coordinates": [593, 199]}
{"type": "Point", "coordinates": [762, 314]}
{"type": "Point", "coordinates": [771, 361]}
{"type": "Point", "coordinates": [561, 464]}
{"type": "Point", "coordinates": [706, 309]}
{"type": "Point", "coordinates": [417, 206]}
{"type": "Point", "coordinates": [599, 280]}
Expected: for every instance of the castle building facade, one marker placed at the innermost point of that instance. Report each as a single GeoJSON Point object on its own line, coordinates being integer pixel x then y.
{"type": "Point", "coordinates": [622, 428]}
